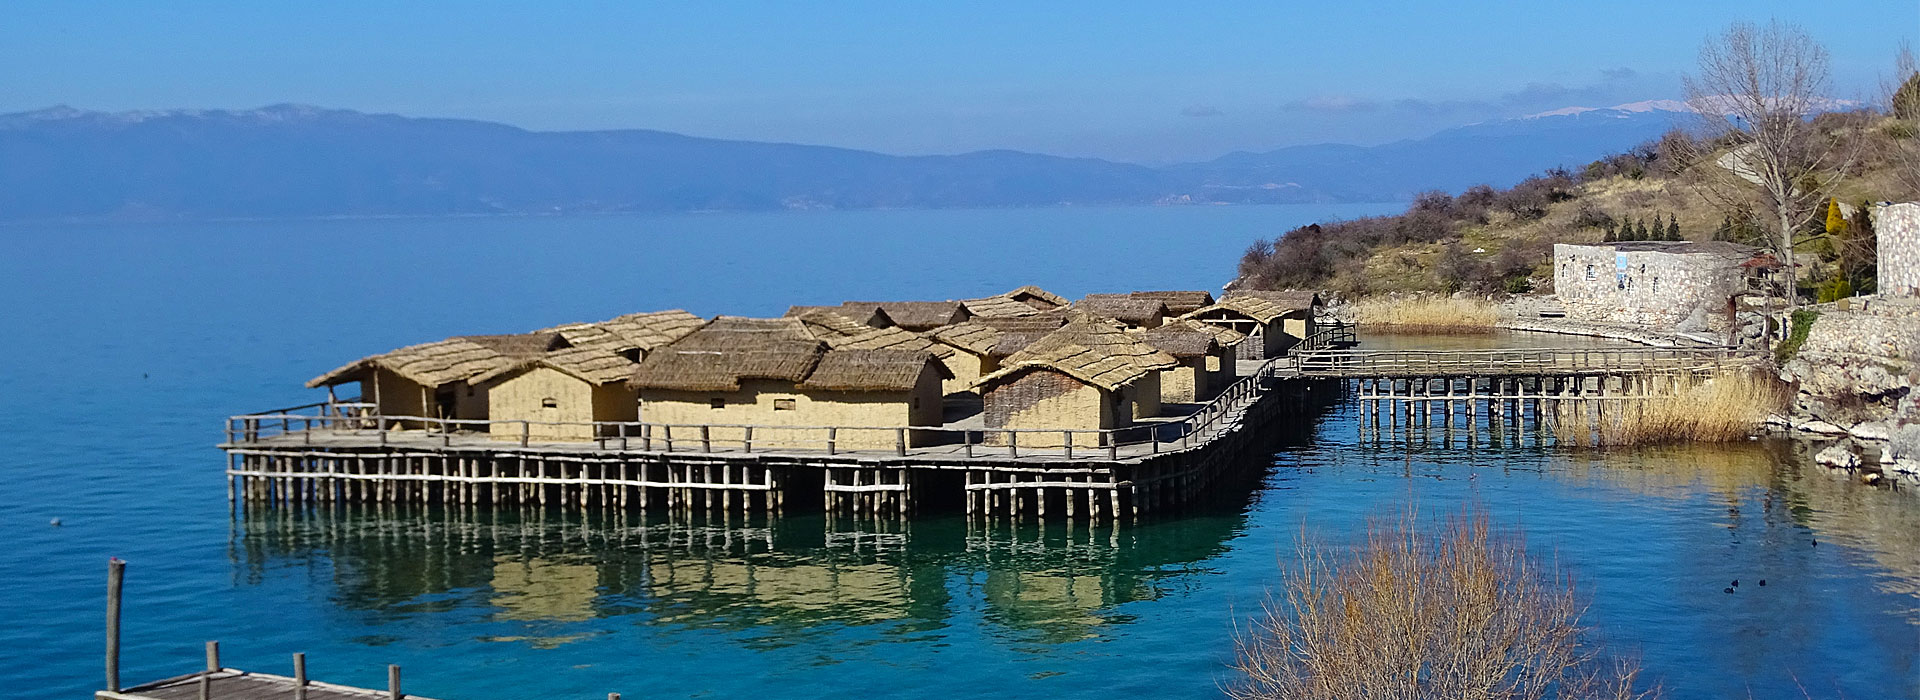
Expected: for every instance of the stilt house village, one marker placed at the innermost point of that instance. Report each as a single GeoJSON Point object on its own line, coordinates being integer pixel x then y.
{"type": "Point", "coordinates": [1026, 359]}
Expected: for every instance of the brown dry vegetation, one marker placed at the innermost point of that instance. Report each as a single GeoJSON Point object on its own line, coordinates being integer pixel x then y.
{"type": "Point", "coordinates": [1427, 314]}
{"type": "Point", "coordinates": [1457, 612]}
{"type": "Point", "coordinates": [1722, 409]}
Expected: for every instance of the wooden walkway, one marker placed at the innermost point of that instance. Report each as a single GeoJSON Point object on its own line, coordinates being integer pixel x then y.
{"type": "Point", "coordinates": [235, 684]}
{"type": "Point", "coordinates": [1367, 364]}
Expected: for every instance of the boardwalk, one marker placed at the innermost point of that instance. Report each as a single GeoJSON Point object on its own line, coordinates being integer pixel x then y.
{"type": "Point", "coordinates": [235, 684]}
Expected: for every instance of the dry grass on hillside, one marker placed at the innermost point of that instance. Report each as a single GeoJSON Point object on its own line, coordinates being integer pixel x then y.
{"type": "Point", "coordinates": [1722, 409]}
{"type": "Point", "coordinates": [1427, 314]}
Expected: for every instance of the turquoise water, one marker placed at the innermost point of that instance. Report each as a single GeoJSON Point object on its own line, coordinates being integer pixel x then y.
{"type": "Point", "coordinates": [125, 345]}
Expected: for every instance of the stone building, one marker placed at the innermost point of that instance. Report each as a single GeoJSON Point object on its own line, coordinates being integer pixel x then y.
{"type": "Point", "coordinates": [1897, 227]}
{"type": "Point", "coordinates": [1682, 286]}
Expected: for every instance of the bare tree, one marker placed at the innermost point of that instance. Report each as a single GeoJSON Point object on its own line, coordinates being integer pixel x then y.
{"type": "Point", "coordinates": [1757, 90]}
{"type": "Point", "coordinates": [1902, 96]}
{"type": "Point", "coordinates": [1460, 614]}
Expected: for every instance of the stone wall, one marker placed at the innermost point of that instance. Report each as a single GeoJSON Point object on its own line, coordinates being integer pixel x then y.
{"type": "Point", "coordinates": [1672, 286]}
{"type": "Point", "coordinates": [1898, 228]}
{"type": "Point", "coordinates": [1860, 365]}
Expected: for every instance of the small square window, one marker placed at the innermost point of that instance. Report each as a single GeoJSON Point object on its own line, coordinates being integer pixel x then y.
{"type": "Point", "coordinates": [783, 404]}
{"type": "Point", "coordinates": [549, 403]}
{"type": "Point", "coordinates": [716, 403]}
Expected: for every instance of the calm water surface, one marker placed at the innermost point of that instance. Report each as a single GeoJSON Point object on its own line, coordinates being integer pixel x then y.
{"type": "Point", "coordinates": [124, 346]}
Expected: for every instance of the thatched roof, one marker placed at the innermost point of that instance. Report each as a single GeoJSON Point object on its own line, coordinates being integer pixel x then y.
{"type": "Point", "coordinates": [1011, 342]}
{"type": "Point", "coordinates": [828, 325]}
{"type": "Point", "coordinates": [1037, 298]}
{"type": "Point", "coordinates": [973, 336]}
{"type": "Point", "coordinates": [729, 349]}
{"type": "Point", "coordinates": [642, 331]}
{"type": "Point", "coordinates": [893, 339]}
{"type": "Point", "coordinates": [451, 360]}
{"type": "Point", "coordinates": [1289, 300]}
{"type": "Point", "coordinates": [1090, 349]}
{"type": "Point", "coordinates": [593, 365]}
{"type": "Point", "coordinates": [1122, 307]}
{"type": "Point", "coordinates": [871, 370]}
{"type": "Point", "coordinates": [1256, 308]}
{"type": "Point", "coordinates": [911, 315]}
{"type": "Point", "coordinates": [1178, 301]}
{"type": "Point", "coordinates": [1226, 337]}
{"type": "Point", "coordinates": [998, 307]}
{"type": "Point", "coordinates": [1001, 336]}
{"type": "Point", "coordinates": [1180, 340]}
{"type": "Point", "coordinates": [872, 317]}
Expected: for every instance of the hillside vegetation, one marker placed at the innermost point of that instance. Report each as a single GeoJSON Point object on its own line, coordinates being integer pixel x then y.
{"type": "Point", "coordinates": [1492, 241]}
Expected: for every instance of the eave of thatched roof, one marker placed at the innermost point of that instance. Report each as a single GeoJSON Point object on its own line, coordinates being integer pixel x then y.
{"type": "Point", "coordinates": [593, 365]}
{"type": "Point", "coordinates": [729, 349]}
{"type": "Point", "coordinates": [871, 370]}
{"type": "Point", "coordinates": [1180, 340]}
{"type": "Point", "coordinates": [912, 315]}
{"type": "Point", "coordinates": [641, 331]}
{"type": "Point", "coordinates": [1255, 308]}
{"type": "Point", "coordinates": [973, 336]}
{"type": "Point", "coordinates": [998, 307]}
{"type": "Point", "coordinates": [1178, 301]}
{"type": "Point", "coordinates": [1226, 337]}
{"type": "Point", "coordinates": [828, 325]}
{"type": "Point", "coordinates": [1090, 349]}
{"type": "Point", "coordinates": [447, 361]}
{"type": "Point", "coordinates": [894, 339]}
{"type": "Point", "coordinates": [1031, 293]}
{"type": "Point", "coordinates": [1122, 307]}
{"type": "Point", "coordinates": [871, 317]}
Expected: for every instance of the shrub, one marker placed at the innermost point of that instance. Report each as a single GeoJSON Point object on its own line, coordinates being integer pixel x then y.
{"type": "Point", "coordinates": [1796, 336]}
{"type": "Point", "coordinates": [1457, 611]}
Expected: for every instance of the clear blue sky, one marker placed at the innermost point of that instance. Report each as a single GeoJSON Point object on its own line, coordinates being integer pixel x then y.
{"type": "Point", "coordinates": [1118, 79]}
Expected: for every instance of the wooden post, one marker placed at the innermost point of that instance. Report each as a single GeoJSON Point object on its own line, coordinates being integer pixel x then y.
{"type": "Point", "coordinates": [833, 441]}
{"type": "Point", "coordinates": [299, 676]}
{"type": "Point", "coordinates": [393, 682]}
{"type": "Point", "coordinates": [116, 574]}
{"type": "Point", "coordinates": [706, 439]}
{"type": "Point", "coordinates": [1068, 434]}
{"type": "Point", "coordinates": [526, 431]}
{"type": "Point", "coordinates": [900, 441]}
{"type": "Point", "coordinates": [213, 656]}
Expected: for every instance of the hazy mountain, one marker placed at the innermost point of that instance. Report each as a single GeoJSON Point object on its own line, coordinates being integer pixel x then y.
{"type": "Point", "coordinates": [299, 161]}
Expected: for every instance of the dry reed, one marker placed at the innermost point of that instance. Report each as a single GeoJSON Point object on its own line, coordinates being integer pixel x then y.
{"type": "Point", "coordinates": [1460, 612]}
{"type": "Point", "coordinates": [1427, 314]}
{"type": "Point", "coordinates": [1721, 409]}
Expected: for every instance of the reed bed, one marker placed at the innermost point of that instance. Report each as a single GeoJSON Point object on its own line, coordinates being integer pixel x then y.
{"type": "Point", "coordinates": [1721, 409]}
{"type": "Point", "coordinates": [1427, 314]}
{"type": "Point", "coordinates": [1457, 610]}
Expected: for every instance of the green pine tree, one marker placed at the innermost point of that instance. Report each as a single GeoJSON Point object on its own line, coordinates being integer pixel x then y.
{"type": "Point", "coordinates": [1611, 236]}
{"type": "Point", "coordinates": [1673, 228]}
{"type": "Point", "coordinates": [1641, 233]}
{"type": "Point", "coordinates": [1725, 232]}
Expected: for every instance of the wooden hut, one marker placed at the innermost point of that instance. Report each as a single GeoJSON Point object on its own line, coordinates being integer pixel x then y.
{"type": "Point", "coordinates": [560, 394]}
{"type": "Point", "coordinates": [912, 315]}
{"type": "Point", "coordinates": [828, 323]}
{"type": "Point", "coordinates": [1131, 312]}
{"type": "Point", "coordinates": [868, 317]}
{"type": "Point", "coordinates": [774, 375]}
{"type": "Point", "coordinates": [962, 365]}
{"type": "Point", "coordinates": [1039, 299]}
{"type": "Point", "coordinates": [1205, 354]}
{"type": "Point", "coordinates": [1262, 321]}
{"type": "Point", "coordinates": [1088, 375]}
{"type": "Point", "coordinates": [433, 380]}
{"type": "Point", "coordinates": [1302, 308]}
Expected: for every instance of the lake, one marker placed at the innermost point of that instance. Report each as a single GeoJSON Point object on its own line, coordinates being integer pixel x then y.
{"type": "Point", "coordinates": [125, 345]}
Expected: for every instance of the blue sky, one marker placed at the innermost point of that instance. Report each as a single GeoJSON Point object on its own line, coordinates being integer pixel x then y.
{"type": "Point", "coordinates": [1150, 82]}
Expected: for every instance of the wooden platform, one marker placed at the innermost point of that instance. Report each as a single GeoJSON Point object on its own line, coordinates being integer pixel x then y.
{"type": "Point", "coordinates": [235, 684]}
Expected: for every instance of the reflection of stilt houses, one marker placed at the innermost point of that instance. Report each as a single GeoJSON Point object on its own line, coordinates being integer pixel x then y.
{"type": "Point", "coordinates": [534, 589]}
{"type": "Point", "coordinates": [1127, 310]}
{"type": "Point", "coordinates": [1087, 375]}
{"type": "Point", "coordinates": [1206, 356]}
{"type": "Point", "coordinates": [775, 375]}
{"type": "Point", "coordinates": [1272, 321]}
{"type": "Point", "coordinates": [433, 379]}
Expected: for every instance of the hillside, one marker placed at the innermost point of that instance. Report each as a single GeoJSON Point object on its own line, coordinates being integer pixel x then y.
{"type": "Point", "coordinates": [1487, 240]}
{"type": "Point", "coordinates": [290, 161]}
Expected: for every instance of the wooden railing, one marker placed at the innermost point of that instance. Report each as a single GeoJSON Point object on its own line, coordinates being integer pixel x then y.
{"type": "Point", "coordinates": [1383, 363]}
{"type": "Point", "coordinates": [357, 419]}
{"type": "Point", "coordinates": [1331, 336]}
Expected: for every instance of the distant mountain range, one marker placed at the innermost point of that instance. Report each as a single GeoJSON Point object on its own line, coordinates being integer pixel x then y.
{"type": "Point", "coordinates": [290, 161]}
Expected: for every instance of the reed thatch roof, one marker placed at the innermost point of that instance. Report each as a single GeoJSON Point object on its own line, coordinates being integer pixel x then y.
{"type": "Point", "coordinates": [873, 317]}
{"type": "Point", "coordinates": [593, 365]}
{"type": "Point", "coordinates": [912, 315]}
{"type": "Point", "coordinates": [729, 349]}
{"type": "Point", "coordinates": [642, 331]}
{"type": "Point", "coordinates": [1090, 349]}
{"type": "Point", "coordinates": [1178, 301]}
{"type": "Point", "coordinates": [998, 307]}
{"type": "Point", "coordinates": [894, 339]}
{"type": "Point", "coordinates": [973, 336]}
{"type": "Point", "coordinates": [1125, 308]}
{"type": "Point", "coordinates": [1252, 307]}
{"type": "Point", "coordinates": [828, 325]}
{"type": "Point", "coordinates": [447, 361]}
{"type": "Point", "coordinates": [1180, 340]}
{"type": "Point", "coordinates": [871, 370]}
{"type": "Point", "coordinates": [1226, 337]}
{"type": "Point", "coordinates": [1036, 297]}
{"type": "Point", "coordinates": [1289, 300]}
